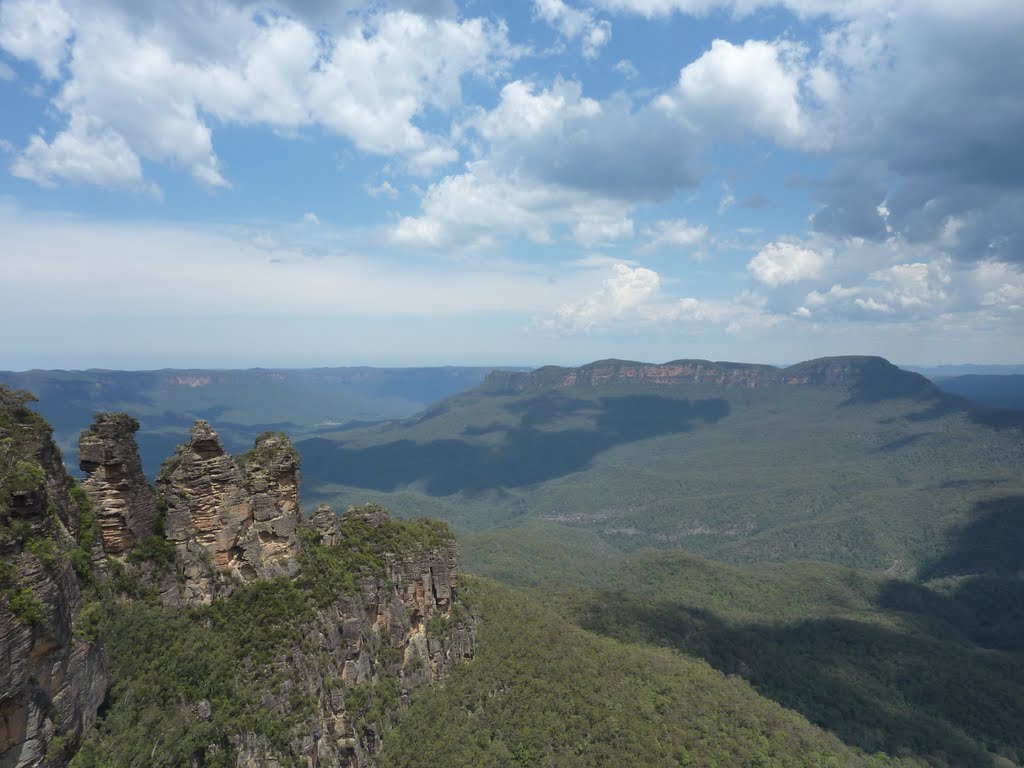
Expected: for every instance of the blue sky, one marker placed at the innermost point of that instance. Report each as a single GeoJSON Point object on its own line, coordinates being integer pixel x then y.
{"type": "Point", "coordinates": [312, 182]}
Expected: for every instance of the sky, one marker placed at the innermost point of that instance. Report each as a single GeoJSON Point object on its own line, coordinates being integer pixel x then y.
{"type": "Point", "coordinates": [292, 183]}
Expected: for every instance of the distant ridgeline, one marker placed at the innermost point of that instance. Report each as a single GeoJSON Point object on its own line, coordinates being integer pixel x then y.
{"type": "Point", "coordinates": [242, 403]}
{"type": "Point", "coordinates": [865, 376]}
{"type": "Point", "coordinates": [213, 622]}
{"type": "Point", "coordinates": [845, 459]}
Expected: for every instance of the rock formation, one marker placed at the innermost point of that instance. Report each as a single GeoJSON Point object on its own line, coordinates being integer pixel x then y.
{"type": "Point", "coordinates": [52, 679]}
{"type": "Point", "coordinates": [125, 505]}
{"type": "Point", "coordinates": [230, 520]}
{"type": "Point", "coordinates": [227, 521]}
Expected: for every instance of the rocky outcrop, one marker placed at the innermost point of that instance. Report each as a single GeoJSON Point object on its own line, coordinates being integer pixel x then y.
{"type": "Point", "coordinates": [52, 679]}
{"type": "Point", "coordinates": [391, 624]}
{"type": "Point", "coordinates": [859, 374]}
{"type": "Point", "coordinates": [125, 505]}
{"type": "Point", "coordinates": [403, 625]}
{"type": "Point", "coordinates": [230, 520]}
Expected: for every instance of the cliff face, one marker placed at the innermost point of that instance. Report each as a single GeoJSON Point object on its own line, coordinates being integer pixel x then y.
{"type": "Point", "coordinates": [124, 503]}
{"type": "Point", "coordinates": [855, 373]}
{"type": "Point", "coordinates": [400, 629]}
{"type": "Point", "coordinates": [230, 520]}
{"type": "Point", "coordinates": [51, 679]}
{"type": "Point", "coordinates": [366, 608]}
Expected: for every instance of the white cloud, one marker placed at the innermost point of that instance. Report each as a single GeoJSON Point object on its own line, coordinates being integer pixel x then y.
{"type": "Point", "coordinates": [6, 73]}
{"type": "Point", "coordinates": [732, 89]}
{"type": "Point", "coordinates": [784, 263]}
{"type": "Point", "coordinates": [384, 189]}
{"type": "Point", "coordinates": [633, 297]}
{"type": "Point", "coordinates": [36, 31]}
{"type": "Point", "coordinates": [627, 69]}
{"type": "Point", "coordinates": [174, 271]}
{"type": "Point", "coordinates": [1000, 285]}
{"type": "Point", "coordinates": [919, 290]}
{"type": "Point", "coordinates": [87, 152]}
{"type": "Point", "coordinates": [625, 293]}
{"type": "Point", "coordinates": [657, 8]}
{"type": "Point", "coordinates": [674, 233]}
{"type": "Point", "coordinates": [310, 218]}
{"type": "Point", "coordinates": [728, 200]}
{"type": "Point", "coordinates": [153, 78]}
{"type": "Point", "coordinates": [472, 209]}
{"type": "Point", "coordinates": [523, 114]}
{"type": "Point", "coordinates": [574, 23]}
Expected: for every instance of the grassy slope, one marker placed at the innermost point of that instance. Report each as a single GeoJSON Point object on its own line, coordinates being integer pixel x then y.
{"type": "Point", "coordinates": [781, 473]}
{"type": "Point", "coordinates": [543, 692]}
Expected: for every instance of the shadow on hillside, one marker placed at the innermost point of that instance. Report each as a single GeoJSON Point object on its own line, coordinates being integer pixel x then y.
{"type": "Point", "coordinates": [534, 450]}
{"type": "Point", "coordinates": [875, 687]}
{"type": "Point", "coordinates": [992, 542]}
{"type": "Point", "coordinates": [944, 405]}
{"type": "Point", "coordinates": [981, 598]}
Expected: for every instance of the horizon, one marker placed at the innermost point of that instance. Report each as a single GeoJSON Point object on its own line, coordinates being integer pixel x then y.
{"type": "Point", "coordinates": [915, 367]}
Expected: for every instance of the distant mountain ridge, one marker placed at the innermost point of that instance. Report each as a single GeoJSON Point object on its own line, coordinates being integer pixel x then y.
{"type": "Point", "coordinates": [867, 372]}
{"type": "Point", "coordinates": [243, 403]}
{"type": "Point", "coordinates": [844, 459]}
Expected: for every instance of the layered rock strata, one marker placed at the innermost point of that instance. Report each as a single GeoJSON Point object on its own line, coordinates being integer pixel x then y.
{"type": "Point", "coordinates": [402, 625]}
{"type": "Point", "coordinates": [124, 502]}
{"type": "Point", "coordinates": [230, 520]}
{"type": "Point", "coordinates": [52, 679]}
{"type": "Point", "coordinates": [227, 520]}
{"type": "Point", "coordinates": [837, 372]}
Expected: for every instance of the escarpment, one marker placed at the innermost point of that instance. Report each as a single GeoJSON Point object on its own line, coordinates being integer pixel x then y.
{"type": "Point", "coordinates": [52, 677]}
{"type": "Point", "coordinates": [867, 375]}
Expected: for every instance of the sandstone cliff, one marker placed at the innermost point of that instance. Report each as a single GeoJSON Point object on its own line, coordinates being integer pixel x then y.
{"type": "Point", "coordinates": [125, 505]}
{"type": "Point", "coordinates": [52, 680]}
{"type": "Point", "coordinates": [873, 375]}
{"type": "Point", "coordinates": [368, 605]}
{"type": "Point", "coordinates": [230, 520]}
{"type": "Point", "coordinates": [400, 628]}
{"type": "Point", "coordinates": [333, 622]}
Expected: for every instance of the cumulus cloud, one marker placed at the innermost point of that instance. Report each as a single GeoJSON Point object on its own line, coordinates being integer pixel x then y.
{"type": "Point", "coordinates": [154, 77]}
{"type": "Point", "coordinates": [626, 292]}
{"type": "Point", "coordinates": [575, 23]}
{"type": "Point", "coordinates": [633, 297]}
{"type": "Point", "coordinates": [612, 147]}
{"type": "Point", "coordinates": [734, 89]}
{"type": "Point", "coordinates": [472, 209]}
{"type": "Point", "coordinates": [36, 31]}
{"type": "Point", "coordinates": [384, 189]}
{"type": "Point", "coordinates": [674, 233]}
{"type": "Point", "coordinates": [87, 152]}
{"type": "Point", "coordinates": [784, 263]}
{"type": "Point", "coordinates": [928, 123]}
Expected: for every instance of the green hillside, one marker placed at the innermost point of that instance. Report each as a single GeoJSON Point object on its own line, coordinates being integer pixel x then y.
{"type": "Point", "coordinates": [543, 692]}
{"type": "Point", "coordinates": [857, 463]}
